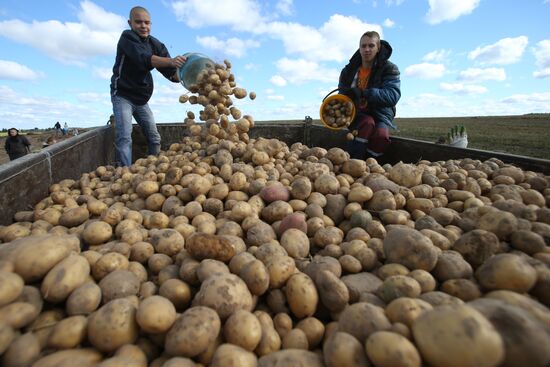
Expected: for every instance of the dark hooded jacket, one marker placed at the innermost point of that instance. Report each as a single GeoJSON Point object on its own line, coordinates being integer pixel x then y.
{"type": "Point", "coordinates": [132, 77]}
{"type": "Point", "coordinates": [383, 89]}
{"type": "Point", "coordinates": [17, 146]}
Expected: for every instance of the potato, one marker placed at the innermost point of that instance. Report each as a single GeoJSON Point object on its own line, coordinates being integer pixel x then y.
{"type": "Point", "coordinates": [523, 336]}
{"type": "Point", "coordinates": [209, 246]}
{"type": "Point", "coordinates": [333, 292]}
{"type": "Point", "coordinates": [65, 277]}
{"type": "Point", "coordinates": [68, 333]}
{"type": "Point", "coordinates": [385, 348]}
{"type": "Point", "coordinates": [342, 349]}
{"type": "Point", "coordinates": [410, 248]}
{"type": "Point", "coordinates": [97, 232]}
{"type": "Point", "coordinates": [451, 265]}
{"type": "Point", "coordinates": [295, 339]}
{"type": "Point", "coordinates": [74, 217]}
{"type": "Point", "coordinates": [294, 220]}
{"type": "Point", "coordinates": [256, 277]}
{"type": "Point", "coordinates": [425, 279]}
{"type": "Point", "coordinates": [243, 329]}
{"type": "Point", "coordinates": [118, 284]}
{"type": "Point", "coordinates": [301, 188]}
{"type": "Point", "coordinates": [167, 241]}
{"type": "Point", "coordinates": [274, 192]}
{"type": "Point", "coordinates": [156, 314]}
{"type": "Point", "coordinates": [280, 268]}
{"type": "Point", "coordinates": [464, 289]}
{"type": "Point", "coordinates": [362, 319]}
{"type": "Point", "coordinates": [270, 341]}
{"type": "Point", "coordinates": [397, 286]}
{"type": "Point", "coordinates": [7, 335]}
{"type": "Point", "coordinates": [23, 351]}
{"type": "Point", "coordinates": [476, 246]}
{"type": "Point", "coordinates": [291, 357]}
{"type": "Point", "coordinates": [176, 291]}
{"type": "Point", "coordinates": [405, 310]}
{"type": "Point", "coordinates": [113, 325]}
{"type": "Point", "coordinates": [501, 223]}
{"type": "Point", "coordinates": [107, 263]}
{"type": "Point", "coordinates": [233, 356]}
{"type": "Point", "coordinates": [506, 271]}
{"type": "Point", "coordinates": [70, 357]}
{"type": "Point", "coordinates": [193, 332]}
{"type": "Point", "coordinates": [17, 314]}
{"type": "Point", "coordinates": [225, 293]}
{"type": "Point", "coordinates": [84, 299]}
{"type": "Point", "coordinates": [457, 336]}
{"type": "Point", "coordinates": [295, 242]}
{"type": "Point", "coordinates": [11, 286]}
{"type": "Point", "coordinates": [301, 295]}
{"type": "Point", "coordinates": [36, 255]}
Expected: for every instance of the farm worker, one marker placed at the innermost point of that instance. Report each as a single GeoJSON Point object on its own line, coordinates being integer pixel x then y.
{"type": "Point", "coordinates": [372, 81]}
{"type": "Point", "coordinates": [65, 129]}
{"type": "Point", "coordinates": [16, 145]}
{"type": "Point", "coordinates": [57, 127]}
{"type": "Point", "coordinates": [132, 83]}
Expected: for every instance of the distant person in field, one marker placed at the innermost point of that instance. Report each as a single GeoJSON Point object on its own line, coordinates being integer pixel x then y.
{"type": "Point", "coordinates": [57, 127]}
{"type": "Point", "coordinates": [373, 82]}
{"type": "Point", "coordinates": [16, 145]}
{"type": "Point", "coordinates": [132, 83]}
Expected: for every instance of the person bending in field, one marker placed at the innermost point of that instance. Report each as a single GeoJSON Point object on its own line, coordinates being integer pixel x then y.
{"type": "Point", "coordinates": [132, 83]}
{"type": "Point", "coordinates": [373, 82]}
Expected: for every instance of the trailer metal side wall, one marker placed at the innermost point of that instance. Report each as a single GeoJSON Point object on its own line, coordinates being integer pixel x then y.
{"type": "Point", "coordinates": [25, 181]}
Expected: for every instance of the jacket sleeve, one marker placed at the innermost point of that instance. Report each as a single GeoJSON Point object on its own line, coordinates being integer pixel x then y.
{"type": "Point", "coordinates": [162, 51]}
{"type": "Point", "coordinates": [136, 50]}
{"type": "Point", "coordinates": [7, 146]}
{"type": "Point", "coordinates": [388, 95]}
{"type": "Point", "coordinates": [26, 141]}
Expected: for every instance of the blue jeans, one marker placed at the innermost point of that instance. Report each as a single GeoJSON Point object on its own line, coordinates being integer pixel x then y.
{"type": "Point", "coordinates": [123, 110]}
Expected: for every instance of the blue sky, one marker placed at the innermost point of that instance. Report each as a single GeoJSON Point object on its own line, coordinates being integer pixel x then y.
{"type": "Point", "coordinates": [456, 57]}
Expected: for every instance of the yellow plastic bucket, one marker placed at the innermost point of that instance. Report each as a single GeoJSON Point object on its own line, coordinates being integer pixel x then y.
{"type": "Point", "coordinates": [341, 106]}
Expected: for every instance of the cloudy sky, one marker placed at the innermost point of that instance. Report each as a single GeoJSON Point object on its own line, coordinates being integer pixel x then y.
{"type": "Point", "coordinates": [456, 57]}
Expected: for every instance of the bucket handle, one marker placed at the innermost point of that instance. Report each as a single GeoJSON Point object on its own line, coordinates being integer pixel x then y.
{"type": "Point", "coordinates": [343, 89]}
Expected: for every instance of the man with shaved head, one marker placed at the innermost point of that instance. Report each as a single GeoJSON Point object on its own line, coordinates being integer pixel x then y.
{"type": "Point", "coordinates": [132, 83]}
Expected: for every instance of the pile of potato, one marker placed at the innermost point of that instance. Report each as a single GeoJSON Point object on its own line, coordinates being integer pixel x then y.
{"type": "Point", "coordinates": [337, 113]}
{"type": "Point", "coordinates": [231, 251]}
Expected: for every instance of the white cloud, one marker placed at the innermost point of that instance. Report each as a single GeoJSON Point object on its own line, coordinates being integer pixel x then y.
{"type": "Point", "coordinates": [477, 74]}
{"type": "Point", "coordinates": [298, 71]}
{"type": "Point", "coordinates": [278, 80]}
{"type": "Point", "coordinates": [505, 51]}
{"type": "Point", "coordinates": [242, 15]}
{"type": "Point", "coordinates": [388, 23]}
{"type": "Point", "coordinates": [449, 10]}
{"type": "Point", "coordinates": [232, 46]}
{"type": "Point", "coordinates": [336, 40]}
{"type": "Point", "coordinates": [29, 111]}
{"type": "Point", "coordinates": [542, 56]}
{"type": "Point", "coordinates": [96, 35]}
{"type": "Point", "coordinates": [285, 7]}
{"type": "Point", "coordinates": [529, 98]}
{"type": "Point", "coordinates": [425, 71]}
{"type": "Point", "coordinates": [11, 70]}
{"type": "Point", "coordinates": [251, 66]}
{"type": "Point", "coordinates": [459, 88]}
{"type": "Point", "coordinates": [274, 97]}
{"type": "Point", "coordinates": [102, 73]}
{"type": "Point", "coordinates": [437, 56]}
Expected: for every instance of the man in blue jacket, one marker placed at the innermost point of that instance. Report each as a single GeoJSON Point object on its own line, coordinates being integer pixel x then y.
{"type": "Point", "coordinates": [372, 81]}
{"type": "Point", "coordinates": [132, 84]}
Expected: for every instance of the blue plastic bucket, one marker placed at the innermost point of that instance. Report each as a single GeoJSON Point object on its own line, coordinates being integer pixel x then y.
{"type": "Point", "coordinates": [193, 66]}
